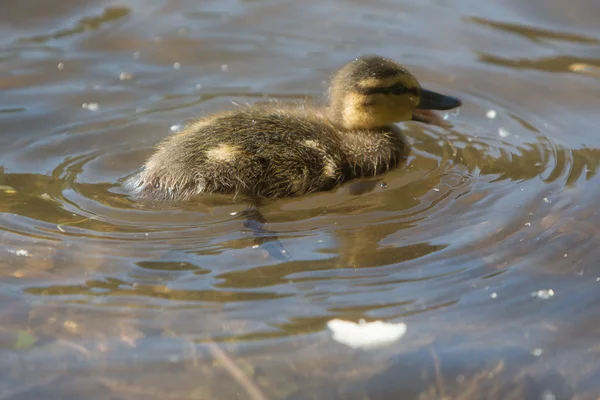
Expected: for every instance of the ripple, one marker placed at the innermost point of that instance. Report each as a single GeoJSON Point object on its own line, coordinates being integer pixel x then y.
{"type": "Point", "coordinates": [534, 33]}
{"type": "Point", "coordinates": [85, 24]}
{"type": "Point", "coordinates": [454, 242]}
{"type": "Point", "coordinates": [560, 63]}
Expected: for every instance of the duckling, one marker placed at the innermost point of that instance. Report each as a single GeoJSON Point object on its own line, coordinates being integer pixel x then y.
{"type": "Point", "coordinates": [273, 152]}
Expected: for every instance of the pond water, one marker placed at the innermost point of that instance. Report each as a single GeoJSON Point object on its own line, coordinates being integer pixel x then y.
{"type": "Point", "coordinates": [485, 243]}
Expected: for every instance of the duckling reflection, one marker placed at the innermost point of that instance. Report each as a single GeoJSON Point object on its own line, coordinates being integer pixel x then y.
{"type": "Point", "coordinates": [269, 152]}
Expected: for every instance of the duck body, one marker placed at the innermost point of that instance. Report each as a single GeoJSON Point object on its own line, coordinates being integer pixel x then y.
{"type": "Point", "coordinates": [291, 151]}
{"type": "Point", "coordinates": [265, 152]}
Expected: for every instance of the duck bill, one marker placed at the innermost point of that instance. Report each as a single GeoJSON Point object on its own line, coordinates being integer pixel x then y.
{"type": "Point", "coordinates": [435, 101]}
{"type": "Point", "coordinates": [430, 100]}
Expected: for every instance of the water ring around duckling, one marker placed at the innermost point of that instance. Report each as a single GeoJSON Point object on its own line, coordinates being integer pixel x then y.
{"type": "Point", "coordinates": [484, 242]}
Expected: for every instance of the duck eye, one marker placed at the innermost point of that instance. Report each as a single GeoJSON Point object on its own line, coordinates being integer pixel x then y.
{"type": "Point", "coordinates": [398, 88]}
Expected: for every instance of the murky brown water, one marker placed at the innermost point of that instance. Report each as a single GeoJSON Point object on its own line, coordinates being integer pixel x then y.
{"type": "Point", "coordinates": [105, 299]}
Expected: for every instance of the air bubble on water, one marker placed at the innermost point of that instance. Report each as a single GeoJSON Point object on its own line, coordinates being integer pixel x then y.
{"type": "Point", "coordinates": [503, 132]}
{"type": "Point", "coordinates": [60, 66]}
{"type": "Point", "coordinates": [125, 76]}
{"type": "Point", "coordinates": [537, 352]}
{"type": "Point", "coordinates": [491, 114]}
{"type": "Point", "coordinates": [224, 67]}
{"type": "Point", "coordinates": [175, 128]}
{"type": "Point", "coordinates": [494, 295]}
{"type": "Point", "coordinates": [565, 256]}
{"type": "Point", "coordinates": [547, 395]}
{"type": "Point", "coordinates": [544, 294]}
{"type": "Point", "coordinates": [177, 65]}
{"type": "Point", "coordinates": [90, 106]}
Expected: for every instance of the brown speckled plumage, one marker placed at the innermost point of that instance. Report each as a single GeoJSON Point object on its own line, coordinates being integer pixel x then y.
{"type": "Point", "coordinates": [288, 151]}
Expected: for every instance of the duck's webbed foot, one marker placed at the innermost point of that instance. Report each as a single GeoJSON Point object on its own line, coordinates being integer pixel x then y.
{"type": "Point", "coordinates": [265, 238]}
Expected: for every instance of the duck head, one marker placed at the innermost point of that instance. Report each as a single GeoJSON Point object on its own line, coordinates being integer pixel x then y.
{"type": "Point", "coordinates": [373, 92]}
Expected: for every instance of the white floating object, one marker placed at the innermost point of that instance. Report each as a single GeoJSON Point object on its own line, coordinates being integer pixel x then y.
{"type": "Point", "coordinates": [503, 132]}
{"type": "Point", "coordinates": [125, 76]}
{"type": "Point", "coordinates": [365, 335]}
{"type": "Point", "coordinates": [90, 106]}
{"type": "Point", "coordinates": [60, 66]}
{"type": "Point", "coordinates": [175, 128]}
{"type": "Point", "coordinates": [177, 65]}
{"type": "Point", "coordinates": [20, 252]}
{"type": "Point", "coordinates": [491, 114]}
{"type": "Point", "coordinates": [543, 294]}
{"type": "Point", "coordinates": [494, 295]}
{"type": "Point", "coordinates": [224, 67]}
{"type": "Point", "coordinates": [537, 352]}
{"type": "Point", "coordinates": [546, 200]}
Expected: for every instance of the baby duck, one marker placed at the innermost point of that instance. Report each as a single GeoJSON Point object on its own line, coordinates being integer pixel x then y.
{"type": "Point", "coordinates": [285, 151]}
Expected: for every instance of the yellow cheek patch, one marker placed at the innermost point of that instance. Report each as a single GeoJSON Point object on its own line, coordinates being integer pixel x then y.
{"type": "Point", "coordinates": [355, 114]}
{"type": "Point", "coordinates": [371, 111]}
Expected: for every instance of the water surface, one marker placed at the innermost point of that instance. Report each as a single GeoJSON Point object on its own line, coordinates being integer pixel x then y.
{"type": "Point", "coordinates": [105, 298]}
